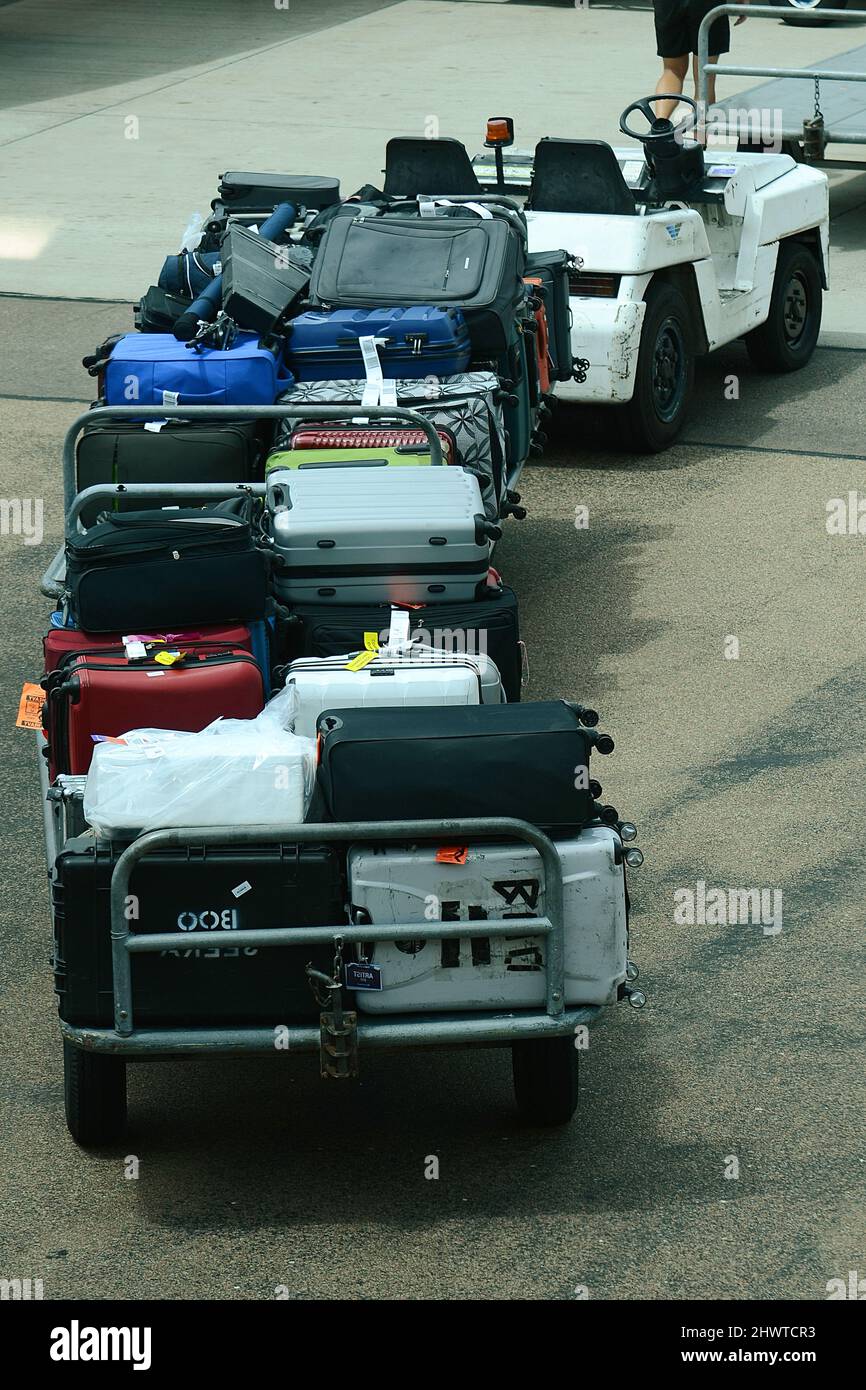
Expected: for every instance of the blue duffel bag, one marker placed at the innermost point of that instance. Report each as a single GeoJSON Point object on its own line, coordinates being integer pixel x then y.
{"type": "Point", "coordinates": [155, 369]}
{"type": "Point", "coordinates": [190, 272]}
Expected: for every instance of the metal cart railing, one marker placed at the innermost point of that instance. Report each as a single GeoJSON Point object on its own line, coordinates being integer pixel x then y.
{"type": "Point", "coordinates": [814, 74]}
{"type": "Point", "coordinates": [555, 1019]}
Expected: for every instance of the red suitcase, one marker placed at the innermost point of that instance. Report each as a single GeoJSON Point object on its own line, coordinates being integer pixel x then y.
{"type": "Point", "coordinates": [100, 693]}
{"type": "Point", "coordinates": [311, 436]}
{"type": "Point", "coordinates": [60, 641]}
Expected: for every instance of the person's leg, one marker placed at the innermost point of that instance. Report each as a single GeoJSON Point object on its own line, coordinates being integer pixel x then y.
{"type": "Point", "coordinates": [673, 76]}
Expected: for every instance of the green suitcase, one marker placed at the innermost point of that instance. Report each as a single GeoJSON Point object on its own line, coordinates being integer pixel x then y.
{"type": "Point", "coordinates": [411, 455]}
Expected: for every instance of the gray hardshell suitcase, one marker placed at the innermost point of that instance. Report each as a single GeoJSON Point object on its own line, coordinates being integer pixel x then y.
{"type": "Point", "coordinates": [400, 883]}
{"type": "Point", "coordinates": [467, 405]}
{"type": "Point", "coordinates": [399, 535]}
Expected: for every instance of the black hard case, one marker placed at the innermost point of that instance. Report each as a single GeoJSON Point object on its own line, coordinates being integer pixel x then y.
{"type": "Point", "coordinates": [290, 885]}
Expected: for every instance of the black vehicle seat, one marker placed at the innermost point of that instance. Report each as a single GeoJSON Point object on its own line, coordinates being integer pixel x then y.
{"type": "Point", "coordinates": [578, 176]}
{"type": "Point", "coordinates": [414, 165]}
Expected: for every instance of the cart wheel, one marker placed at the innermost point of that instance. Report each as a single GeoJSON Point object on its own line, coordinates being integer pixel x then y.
{"type": "Point", "coordinates": [95, 1094]}
{"type": "Point", "coordinates": [545, 1080]}
{"type": "Point", "coordinates": [787, 339]}
{"type": "Point", "coordinates": [665, 373]}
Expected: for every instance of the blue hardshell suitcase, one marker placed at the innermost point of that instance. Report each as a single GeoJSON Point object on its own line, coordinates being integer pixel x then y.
{"type": "Point", "coordinates": [418, 341]}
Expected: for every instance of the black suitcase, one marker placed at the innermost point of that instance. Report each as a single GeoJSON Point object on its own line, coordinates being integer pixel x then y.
{"type": "Point", "coordinates": [262, 282]}
{"type": "Point", "coordinates": [249, 192]}
{"type": "Point", "coordinates": [473, 265]}
{"type": "Point", "coordinates": [158, 310]}
{"type": "Point", "coordinates": [208, 893]}
{"type": "Point", "coordinates": [148, 571]}
{"type": "Point", "coordinates": [528, 760]}
{"type": "Point", "coordinates": [180, 451]}
{"type": "Point", "coordinates": [552, 268]}
{"type": "Point", "coordinates": [488, 626]}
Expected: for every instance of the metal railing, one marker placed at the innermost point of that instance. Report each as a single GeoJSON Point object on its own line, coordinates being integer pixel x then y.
{"type": "Point", "coordinates": [396, 1030]}
{"type": "Point", "coordinates": [774, 12]}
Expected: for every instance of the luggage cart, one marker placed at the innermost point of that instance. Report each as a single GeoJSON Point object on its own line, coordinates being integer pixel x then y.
{"type": "Point", "coordinates": [544, 1042]}
{"type": "Point", "coordinates": [838, 116]}
{"type": "Point", "coordinates": [544, 1045]}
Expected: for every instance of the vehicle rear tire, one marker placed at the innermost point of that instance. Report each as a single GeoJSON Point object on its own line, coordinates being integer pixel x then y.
{"type": "Point", "coordinates": [545, 1080]}
{"type": "Point", "coordinates": [94, 1087]}
{"type": "Point", "coordinates": [792, 6]}
{"type": "Point", "coordinates": [786, 341]}
{"type": "Point", "coordinates": [664, 376]}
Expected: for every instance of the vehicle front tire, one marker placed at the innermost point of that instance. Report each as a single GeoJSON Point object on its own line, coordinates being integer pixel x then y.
{"type": "Point", "coordinates": [786, 341]}
{"type": "Point", "coordinates": [545, 1080]}
{"type": "Point", "coordinates": [94, 1087]}
{"type": "Point", "coordinates": [664, 376]}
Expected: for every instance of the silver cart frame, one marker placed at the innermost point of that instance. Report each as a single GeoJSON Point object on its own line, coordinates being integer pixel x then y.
{"type": "Point", "coordinates": [822, 74]}
{"type": "Point", "coordinates": [393, 1031]}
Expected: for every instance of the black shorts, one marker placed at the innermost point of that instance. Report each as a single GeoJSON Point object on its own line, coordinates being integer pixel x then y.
{"type": "Point", "coordinates": [677, 24]}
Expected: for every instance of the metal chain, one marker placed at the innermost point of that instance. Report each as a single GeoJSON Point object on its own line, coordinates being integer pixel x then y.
{"type": "Point", "coordinates": [323, 988]}
{"type": "Point", "coordinates": [338, 961]}
{"type": "Point", "coordinates": [819, 115]}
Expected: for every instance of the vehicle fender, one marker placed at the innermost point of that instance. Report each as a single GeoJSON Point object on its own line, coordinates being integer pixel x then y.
{"type": "Point", "coordinates": [686, 281]}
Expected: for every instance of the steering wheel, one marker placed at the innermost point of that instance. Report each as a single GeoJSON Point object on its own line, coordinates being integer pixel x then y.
{"type": "Point", "coordinates": [645, 105]}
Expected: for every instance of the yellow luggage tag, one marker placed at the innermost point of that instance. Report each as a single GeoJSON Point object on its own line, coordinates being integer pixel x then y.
{"type": "Point", "coordinates": [361, 660]}
{"type": "Point", "coordinates": [370, 652]}
{"type": "Point", "coordinates": [171, 658]}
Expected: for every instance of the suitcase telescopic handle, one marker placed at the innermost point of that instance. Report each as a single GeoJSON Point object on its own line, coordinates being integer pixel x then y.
{"type": "Point", "coordinates": [173, 491]}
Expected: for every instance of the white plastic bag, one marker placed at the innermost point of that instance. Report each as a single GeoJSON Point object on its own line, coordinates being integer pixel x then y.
{"type": "Point", "coordinates": [235, 772]}
{"type": "Point", "coordinates": [192, 232]}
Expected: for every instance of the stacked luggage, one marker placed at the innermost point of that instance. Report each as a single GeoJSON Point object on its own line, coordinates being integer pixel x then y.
{"type": "Point", "coordinates": [285, 612]}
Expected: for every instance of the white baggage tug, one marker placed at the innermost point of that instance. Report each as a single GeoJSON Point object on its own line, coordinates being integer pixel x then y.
{"type": "Point", "coordinates": [677, 252]}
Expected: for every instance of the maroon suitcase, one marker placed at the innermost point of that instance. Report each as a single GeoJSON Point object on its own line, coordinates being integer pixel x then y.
{"type": "Point", "coordinates": [101, 694]}
{"type": "Point", "coordinates": [59, 642]}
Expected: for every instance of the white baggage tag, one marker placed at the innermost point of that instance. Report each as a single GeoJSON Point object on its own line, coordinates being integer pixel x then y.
{"type": "Point", "coordinates": [398, 634]}
{"type": "Point", "coordinates": [372, 369]}
{"type": "Point", "coordinates": [388, 395]}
